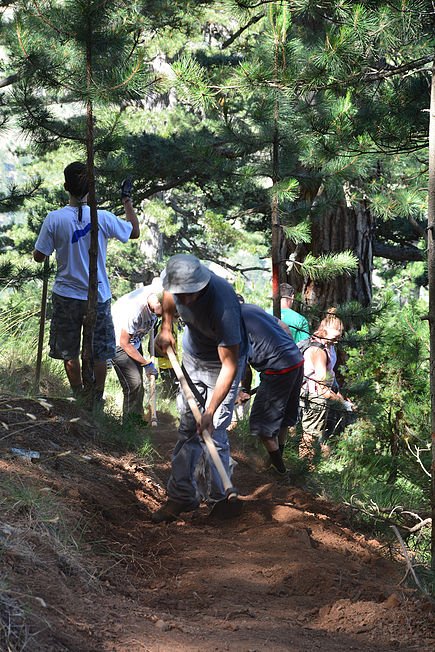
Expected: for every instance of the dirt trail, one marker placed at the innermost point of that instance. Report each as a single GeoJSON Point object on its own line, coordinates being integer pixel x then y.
{"type": "Point", "coordinates": [81, 555]}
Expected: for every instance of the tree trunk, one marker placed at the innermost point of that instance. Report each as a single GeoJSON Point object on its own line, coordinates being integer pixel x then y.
{"type": "Point", "coordinates": [278, 239]}
{"type": "Point", "coordinates": [431, 274]}
{"type": "Point", "coordinates": [345, 227]}
{"type": "Point", "coordinates": [91, 314]}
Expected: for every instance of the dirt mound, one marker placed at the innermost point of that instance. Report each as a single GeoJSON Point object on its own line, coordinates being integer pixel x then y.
{"type": "Point", "coordinates": [84, 569]}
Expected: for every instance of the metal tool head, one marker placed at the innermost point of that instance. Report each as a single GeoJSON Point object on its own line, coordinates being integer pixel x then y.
{"type": "Point", "coordinates": [230, 507]}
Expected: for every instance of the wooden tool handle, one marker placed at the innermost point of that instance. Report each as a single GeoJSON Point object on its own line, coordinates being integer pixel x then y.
{"type": "Point", "coordinates": [153, 393]}
{"type": "Point", "coordinates": [211, 447]}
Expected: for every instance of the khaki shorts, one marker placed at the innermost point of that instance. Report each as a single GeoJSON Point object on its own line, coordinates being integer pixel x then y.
{"type": "Point", "coordinates": [314, 416]}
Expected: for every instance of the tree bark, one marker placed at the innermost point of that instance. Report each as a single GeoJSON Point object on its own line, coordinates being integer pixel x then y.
{"type": "Point", "coordinates": [431, 275]}
{"type": "Point", "coordinates": [91, 313]}
{"type": "Point", "coordinates": [345, 227]}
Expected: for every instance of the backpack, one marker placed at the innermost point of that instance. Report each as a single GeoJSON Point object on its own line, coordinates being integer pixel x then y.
{"type": "Point", "coordinates": [305, 344]}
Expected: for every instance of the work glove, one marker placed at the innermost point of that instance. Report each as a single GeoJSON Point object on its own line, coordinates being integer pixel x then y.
{"type": "Point", "coordinates": [151, 370]}
{"type": "Point", "coordinates": [126, 188]}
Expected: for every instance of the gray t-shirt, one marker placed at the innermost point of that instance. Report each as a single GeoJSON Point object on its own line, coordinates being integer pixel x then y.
{"type": "Point", "coordinates": [213, 320]}
{"type": "Point", "coordinates": [271, 347]}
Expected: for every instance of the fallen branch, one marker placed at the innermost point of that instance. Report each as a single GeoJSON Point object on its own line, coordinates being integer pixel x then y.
{"type": "Point", "coordinates": [409, 565]}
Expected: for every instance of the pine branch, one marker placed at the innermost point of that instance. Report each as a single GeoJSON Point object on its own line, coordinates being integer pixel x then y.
{"type": "Point", "coordinates": [402, 254]}
{"type": "Point", "coordinates": [326, 267]}
{"type": "Point", "coordinates": [241, 30]}
{"type": "Point", "coordinates": [300, 233]}
{"type": "Point", "coordinates": [16, 196]}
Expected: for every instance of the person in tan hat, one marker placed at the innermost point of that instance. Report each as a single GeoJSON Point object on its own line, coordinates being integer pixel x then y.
{"type": "Point", "coordinates": [215, 346]}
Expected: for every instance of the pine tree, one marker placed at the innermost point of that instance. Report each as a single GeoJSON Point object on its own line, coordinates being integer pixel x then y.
{"type": "Point", "coordinates": [83, 55]}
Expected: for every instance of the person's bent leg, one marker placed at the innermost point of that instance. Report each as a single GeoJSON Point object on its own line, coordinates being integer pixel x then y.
{"type": "Point", "coordinates": [182, 486]}
{"type": "Point", "coordinates": [267, 415]}
{"type": "Point", "coordinates": [130, 375]}
{"type": "Point", "coordinates": [221, 422]}
{"type": "Point", "coordinates": [293, 383]}
{"type": "Point", "coordinates": [313, 421]}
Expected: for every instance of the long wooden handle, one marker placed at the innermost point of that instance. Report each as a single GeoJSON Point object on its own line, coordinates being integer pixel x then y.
{"type": "Point", "coordinates": [42, 322]}
{"type": "Point", "coordinates": [211, 447]}
{"type": "Point", "coordinates": [153, 393]}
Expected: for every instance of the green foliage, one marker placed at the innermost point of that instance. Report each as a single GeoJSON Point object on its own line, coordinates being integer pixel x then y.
{"type": "Point", "coordinates": [381, 448]}
{"type": "Point", "coordinates": [328, 266]}
{"type": "Point", "coordinates": [299, 233]}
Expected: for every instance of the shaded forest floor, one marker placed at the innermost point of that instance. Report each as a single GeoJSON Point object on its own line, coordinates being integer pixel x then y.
{"type": "Point", "coordinates": [84, 569]}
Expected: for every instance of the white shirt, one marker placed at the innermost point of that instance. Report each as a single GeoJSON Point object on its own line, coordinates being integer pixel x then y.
{"type": "Point", "coordinates": [132, 314]}
{"type": "Point", "coordinates": [62, 232]}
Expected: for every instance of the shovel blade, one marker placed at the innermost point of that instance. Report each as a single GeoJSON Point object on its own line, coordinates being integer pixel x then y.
{"type": "Point", "coordinates": [226, 509]}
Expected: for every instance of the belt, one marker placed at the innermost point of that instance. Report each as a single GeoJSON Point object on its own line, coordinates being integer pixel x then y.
{"type": "Point", "coordinates": [281, 372]}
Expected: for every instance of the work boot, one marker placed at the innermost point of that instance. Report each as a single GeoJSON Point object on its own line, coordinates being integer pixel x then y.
{"type": "Point", "coordinates": [170, 510]}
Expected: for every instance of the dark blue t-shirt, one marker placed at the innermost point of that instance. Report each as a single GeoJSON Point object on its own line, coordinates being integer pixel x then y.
{"type": "Point", "coordinates": [271, 347]}
{"type": "Point", "coordinates": [213, 320]}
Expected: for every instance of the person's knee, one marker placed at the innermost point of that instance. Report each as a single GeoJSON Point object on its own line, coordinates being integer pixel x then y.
{"type": "Point", "coordinates": [135, 385]}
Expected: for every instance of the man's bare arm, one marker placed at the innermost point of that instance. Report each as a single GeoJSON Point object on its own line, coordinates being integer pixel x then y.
{"type": "Point", "coordinates": [130, 216]}
{"type": "Point", "coordinates": [319, 359]}
{"type": "Point", "coordinates": [130, 350]}
{"type": "Point", "coordinates": [166, 337]}
{"type": "Point", "coordinates": [229, 357]}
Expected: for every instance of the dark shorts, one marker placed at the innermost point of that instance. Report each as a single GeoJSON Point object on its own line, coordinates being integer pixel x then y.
{"type": "Point", "coordinates": [276, 403]}
{"type": "Point", "coordinates": [66, 329]}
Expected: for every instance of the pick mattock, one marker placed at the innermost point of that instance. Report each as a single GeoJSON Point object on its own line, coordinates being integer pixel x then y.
{"type": "Point", "coordinates": [231, 506]}
{"type": "Point", "coordinates": [152, 381]}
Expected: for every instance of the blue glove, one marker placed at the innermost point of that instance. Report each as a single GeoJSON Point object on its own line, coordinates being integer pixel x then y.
{"type": "Point", "coordinates": [126, 188]}
{"type": "Point", "coordinates": [150, 369]}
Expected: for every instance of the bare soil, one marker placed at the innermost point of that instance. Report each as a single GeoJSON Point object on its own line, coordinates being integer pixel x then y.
{"type": "Point", "coordinates": [84, 569]}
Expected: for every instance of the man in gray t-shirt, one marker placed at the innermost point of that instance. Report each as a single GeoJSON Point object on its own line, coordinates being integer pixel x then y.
{"type": "Point", "coordinates": [214, 356]}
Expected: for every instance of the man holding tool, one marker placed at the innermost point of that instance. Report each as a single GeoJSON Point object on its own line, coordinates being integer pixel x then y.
{"type": "Point", "coordinates": [134, 315]}
{"type": "Point", "coordinates": [68, 231]}
{"type": "Point", "coordinates": [214, 356]}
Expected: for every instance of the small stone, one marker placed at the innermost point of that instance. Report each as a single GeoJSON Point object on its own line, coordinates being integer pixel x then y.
{"type": "Point", "coordinates": [392, 601]}
{"type": "Point", "coordinates": [164, 627]}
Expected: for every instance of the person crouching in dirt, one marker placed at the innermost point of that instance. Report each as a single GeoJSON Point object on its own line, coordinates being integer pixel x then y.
{"type": "Point", "coordinates": [214, 356]}
{"type": "Point", "coordinates": [134, 315]}
{"type": "Point", "coordinates": [275, 355]}
{"type": "Point", "coordinates": [318, 396]}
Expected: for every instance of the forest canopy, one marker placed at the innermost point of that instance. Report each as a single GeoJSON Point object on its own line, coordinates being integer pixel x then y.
{"type": "Point", "coordinates": [278, 141]}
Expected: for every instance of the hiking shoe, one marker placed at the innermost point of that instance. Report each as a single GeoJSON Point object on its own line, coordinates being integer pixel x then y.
{"type": "Point", "coordinates": [170, 510]}
{"type": "Point", "coordinates": [280, 476]}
